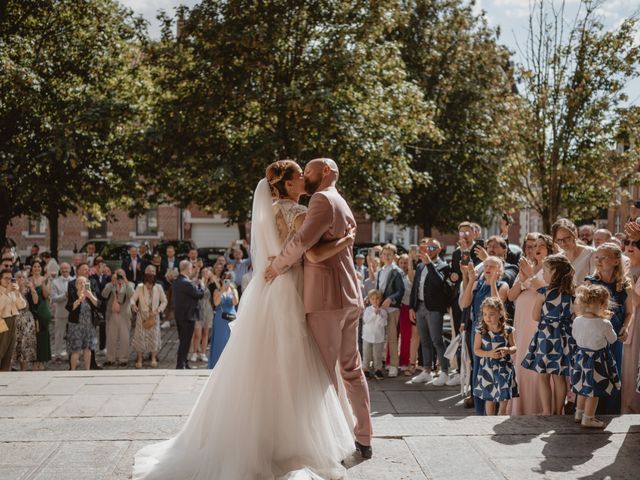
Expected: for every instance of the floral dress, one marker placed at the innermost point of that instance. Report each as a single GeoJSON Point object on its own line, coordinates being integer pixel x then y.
{"type": "Point", "coordinates": [496, 379]}
{"type": "Point", "coordinates": [25, 350]}
{"type": "Point", "coordinates": [552, 345]}
{"type": "Point", "coordinates": [82, 335]}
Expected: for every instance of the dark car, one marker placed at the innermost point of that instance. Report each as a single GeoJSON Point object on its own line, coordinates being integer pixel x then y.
{"type": "Point", "coordinates": [363, 248]}
{"type": "Point", "coordinates": [182, 248]}
{"type": "Point", "coordinates": [209, 255]}
{"type": "Point", "coordinates": [114, 252]}
{"type": "Point", "coordinates": [100, 244]}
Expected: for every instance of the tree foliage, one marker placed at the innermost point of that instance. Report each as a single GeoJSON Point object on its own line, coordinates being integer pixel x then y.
{"type": "Point", "coordinates": [247, 83]}
{"type": "Point", "coordinates": [572, 114]}
{"type": "Point", "coordinates": [70, 94]}
{"type": "Point", "coordinates": [456, 60]}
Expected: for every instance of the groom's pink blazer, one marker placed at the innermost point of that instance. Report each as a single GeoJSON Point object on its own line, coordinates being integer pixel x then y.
{"type": "Point", "coordinates": [331, 284]}
{"type": "Point", "coordinates": [332, 299]}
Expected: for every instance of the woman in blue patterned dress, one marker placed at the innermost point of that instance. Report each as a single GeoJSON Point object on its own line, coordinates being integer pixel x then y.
{"type": "Point", "coordinates": [225, 301]}
{"type": "Point", "coordinates": [610, 273]}
{"type": "Point", "coordinates": [594, 372]}
{"type": "Point", "coordinates": [494, 345]}
{"type": "Point", "coordinates": [551, 347]}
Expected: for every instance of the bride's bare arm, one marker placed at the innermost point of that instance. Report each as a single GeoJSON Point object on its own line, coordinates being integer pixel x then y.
{"type": "Point", "coordinates": [323, 251]}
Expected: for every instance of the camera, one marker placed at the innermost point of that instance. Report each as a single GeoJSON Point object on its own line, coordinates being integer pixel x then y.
{"type": "Point", "coordinates": [119, 276]}
{"type": "Point", "coordinates": [466, 258]}
{"type": "Point", "coordinates": [226, 282]}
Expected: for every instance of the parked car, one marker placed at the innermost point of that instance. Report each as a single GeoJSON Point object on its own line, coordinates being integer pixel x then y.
{"type": "Point", "coordinates": [209, 255]}
{"type": "Point", "coordinates": [182, 247]}
{"type": "Point", "coordinates": [114, 252]}
{"type": "Point", "coordinates": [99, 243]}
{"type": "Point", "coordinates": [363, 248]}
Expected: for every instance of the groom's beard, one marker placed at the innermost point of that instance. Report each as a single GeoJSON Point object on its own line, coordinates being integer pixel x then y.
{"type": "Point", "coordinates": [311, 187]}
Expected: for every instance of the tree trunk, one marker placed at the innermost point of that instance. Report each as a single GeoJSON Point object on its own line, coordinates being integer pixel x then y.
{"type": "Point", "coordinates": [4, 223]}
{"type": "Point", "coordinates": [53, 232]}
{"type": "Point", "coordinates": [427, 227]}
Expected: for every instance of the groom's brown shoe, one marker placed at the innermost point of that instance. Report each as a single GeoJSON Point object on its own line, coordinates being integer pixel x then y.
{"type": "Point", "coordinates": [364, 450]}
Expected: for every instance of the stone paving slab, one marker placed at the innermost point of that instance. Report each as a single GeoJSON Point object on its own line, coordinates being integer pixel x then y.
{"type": "Point", "coordinates": [62, 425]}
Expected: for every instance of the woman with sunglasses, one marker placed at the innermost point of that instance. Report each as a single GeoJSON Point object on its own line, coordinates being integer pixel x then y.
{"type": "Point", "coordinates": [565, 235]}
{"type": "Point", "coordinates": [631, 398]}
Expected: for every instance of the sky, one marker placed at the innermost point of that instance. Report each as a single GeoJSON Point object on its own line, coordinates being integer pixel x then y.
{"type": "Point", "coordinates": [510, 15]}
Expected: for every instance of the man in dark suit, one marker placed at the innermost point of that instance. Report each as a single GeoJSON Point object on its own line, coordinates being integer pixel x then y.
{"type": "Point", "coordinates": [186, 295]}
{"type": "Point", "coordinates": [133, 266]}
{"type": "Point", "coordinates": [390, 282]}
{"type": "Point", "coordinates": [429, 301]}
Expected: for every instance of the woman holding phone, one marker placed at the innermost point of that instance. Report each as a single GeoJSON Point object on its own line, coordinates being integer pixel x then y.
{"type": "Point", "coordinates": [225, 301]}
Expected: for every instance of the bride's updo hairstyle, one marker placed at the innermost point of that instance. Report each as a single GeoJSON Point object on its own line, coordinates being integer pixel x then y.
{"type": "Point", "coordinates": [278, 173]}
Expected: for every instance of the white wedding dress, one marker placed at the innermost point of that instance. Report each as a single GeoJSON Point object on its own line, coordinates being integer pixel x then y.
{"type": "Point", "coordinates": [268, 410]}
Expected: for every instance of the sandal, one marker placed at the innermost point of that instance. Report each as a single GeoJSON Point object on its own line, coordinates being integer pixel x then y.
{"type": "Point", "coordinates": [138, 364]}
{"type": "Point", "coordinates": [154, 364]}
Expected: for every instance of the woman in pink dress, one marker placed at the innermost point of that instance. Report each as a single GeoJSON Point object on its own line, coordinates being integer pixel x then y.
{"type": "Point", "coordinates": [630, 397]}
{"type": "Point", "coordinates": [523, 294]}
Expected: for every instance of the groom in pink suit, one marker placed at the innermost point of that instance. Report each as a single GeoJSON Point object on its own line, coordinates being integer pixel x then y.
{"type": "Point", "coordinates": [332, 297]}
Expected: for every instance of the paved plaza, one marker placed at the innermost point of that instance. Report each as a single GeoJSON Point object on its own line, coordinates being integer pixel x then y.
{"type": "Point", "coordinates": [88, 425]}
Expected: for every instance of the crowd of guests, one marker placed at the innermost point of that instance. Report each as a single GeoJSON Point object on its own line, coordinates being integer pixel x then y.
{"type": "Point", "coordinates": [549, 327]}
{"type": "Point", "coordinates": [52, 312]}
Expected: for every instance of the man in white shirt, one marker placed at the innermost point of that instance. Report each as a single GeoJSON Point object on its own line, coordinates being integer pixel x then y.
{"type": "Point", "coordinates": [61, 315]}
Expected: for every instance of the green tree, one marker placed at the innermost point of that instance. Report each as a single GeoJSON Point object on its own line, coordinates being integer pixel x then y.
{"type": "Point", "coordinates": [70, 108]}
{"type": "Point", "coordinates": [247, 83]}
{"type": "Point", "coordinates": [458, 64]}
{"type": "Point", "coordinates": [572, 113]}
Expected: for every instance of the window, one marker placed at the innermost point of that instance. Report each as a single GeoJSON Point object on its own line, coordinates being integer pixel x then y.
{"type": "Point", "coordinates": [147, 224]}
{"type": "Point", "coordinates": [38, 226]}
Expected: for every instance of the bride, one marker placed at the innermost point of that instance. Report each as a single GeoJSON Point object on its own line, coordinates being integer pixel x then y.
{"type": "Point", "coordinates": [268, 410]}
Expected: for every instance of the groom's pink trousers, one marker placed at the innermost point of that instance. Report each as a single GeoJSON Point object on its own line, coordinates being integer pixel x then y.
{"type": "Point", "coordinates": [336, 334]}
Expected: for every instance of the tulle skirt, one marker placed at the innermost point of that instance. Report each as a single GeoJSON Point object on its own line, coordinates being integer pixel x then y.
{"type": "Point", "coordinates": [268, 410]}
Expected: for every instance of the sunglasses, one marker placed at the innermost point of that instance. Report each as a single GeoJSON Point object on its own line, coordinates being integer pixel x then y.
{"type": "Point", "coordinates": [635, 243]}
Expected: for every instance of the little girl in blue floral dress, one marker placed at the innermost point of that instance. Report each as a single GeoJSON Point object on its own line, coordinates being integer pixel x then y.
{"type": "Point", "coordinates": [594, 373]}
{"type": "Point", "coordinates": [551, 347]}
{"type": "Point", "coordinates": [494, 345]}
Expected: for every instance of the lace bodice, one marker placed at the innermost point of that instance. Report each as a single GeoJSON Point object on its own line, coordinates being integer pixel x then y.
{"type": "Point", "coordinates": [286, 212]}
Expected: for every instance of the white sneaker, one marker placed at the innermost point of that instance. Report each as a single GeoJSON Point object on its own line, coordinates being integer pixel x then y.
{"type": "Point", "coordinates": [165, 325]}
{"type": "Point", "coordinates": [203, 358]}
{"type": "Point", "coordinates": [393, 372]}
{"type": "Point", "coordinates": [591, 422]}
{"type": "Point", "coordinates": [453, 380]}
{"type": "Point", "coordinates": [63, 354]}
{"type": "Point", "coordinates": [422, 377]}
{"type": "Point", "coordinates": [194, 357]}
{"type": "Point", "coordinates": [442, 380]}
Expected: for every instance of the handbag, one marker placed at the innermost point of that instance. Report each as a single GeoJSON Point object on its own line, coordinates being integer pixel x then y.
{"type": "Point", "coordinates": [3, 326]}
{"type": "Point", "coordinates": [148, 322]}
{"type": "Point", "coordinates": [228, 316]}
{"type": "Point", "coordinates": [97, 317]}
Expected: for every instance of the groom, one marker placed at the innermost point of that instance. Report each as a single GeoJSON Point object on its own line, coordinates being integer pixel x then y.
{"type": "Point", "coordinates": [332, 299]}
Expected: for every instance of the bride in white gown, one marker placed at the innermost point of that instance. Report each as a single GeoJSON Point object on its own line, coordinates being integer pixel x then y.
{"type": "Point", "coordinates": [268, 410]}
